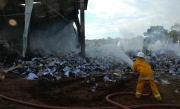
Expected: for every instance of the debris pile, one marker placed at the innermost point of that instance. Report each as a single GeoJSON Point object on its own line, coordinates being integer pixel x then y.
{"type": "Point", "coordinates": [166, 63]}
{"type": "Point", "coordinates": [55, 67]}
{"type": "Point", "coordinates": [59, 67]}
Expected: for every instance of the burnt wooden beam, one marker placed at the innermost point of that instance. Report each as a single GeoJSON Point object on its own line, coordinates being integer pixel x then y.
{"type": "Point", "coordinates": [76, 20]}
{"type": "Point", "coordinates": [82, 28]}
{"type": "Point", "coordinates": [28, 11]}
{"type": "Point", "coordinates": [46, 11]}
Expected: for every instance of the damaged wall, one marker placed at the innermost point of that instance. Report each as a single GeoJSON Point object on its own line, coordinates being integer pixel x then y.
{"type": "Point", "coordinates": [51, 26]}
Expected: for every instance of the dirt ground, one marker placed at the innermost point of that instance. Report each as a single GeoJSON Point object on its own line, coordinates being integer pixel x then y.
{"type": "Point", "coordinates": [76, 92]}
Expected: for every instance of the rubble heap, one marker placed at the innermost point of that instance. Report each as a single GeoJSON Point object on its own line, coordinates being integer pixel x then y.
{"type": "Point", "coordinates": [58, 67]}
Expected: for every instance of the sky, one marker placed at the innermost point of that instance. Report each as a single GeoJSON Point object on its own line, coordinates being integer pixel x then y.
{"type": "Point", "coordinates": [128, 18]}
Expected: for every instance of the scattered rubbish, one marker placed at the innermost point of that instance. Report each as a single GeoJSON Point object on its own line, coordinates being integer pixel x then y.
{"type": "Point", "coordinates": [93, 88]}
{"type": "Point", "coordinates": [12, 68]}
{"type": "Point", "coordinates": [93, 83]}
{"type": "Point", "coordinates": [32, 76]}
{"type": "Point", "coordinates": [106, 78]}
{"type": "Point", "coordinates": [176, 91]}
{"type": "Point", "coordinates": [57, 67]}
{"type": "Point", "coordinates": [163, 81]}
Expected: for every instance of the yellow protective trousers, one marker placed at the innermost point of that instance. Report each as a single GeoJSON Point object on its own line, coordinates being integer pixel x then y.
{"type": "Point", "coordinates": [154, 89]}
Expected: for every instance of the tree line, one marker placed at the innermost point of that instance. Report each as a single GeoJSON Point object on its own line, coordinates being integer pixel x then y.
{"type": "Point", "coordinates": [153, 34]}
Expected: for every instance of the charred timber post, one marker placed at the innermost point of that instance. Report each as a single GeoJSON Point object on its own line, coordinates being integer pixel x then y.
{"type": "Point", "coordinates": [78, 27]}
{"type": "Point", "coordinates": [82, 27]}
{"type": "Point", "coordinates": [28, 10]}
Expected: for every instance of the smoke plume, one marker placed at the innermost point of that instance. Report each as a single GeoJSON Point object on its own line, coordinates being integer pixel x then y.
{"type": "Point", "coordinates": [58, 37]}
{"type": "Point", "coordinates": [109, 51]}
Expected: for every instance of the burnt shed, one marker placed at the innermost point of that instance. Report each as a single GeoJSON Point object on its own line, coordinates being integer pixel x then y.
{"type": "Point", "coordinates": [18, 18]}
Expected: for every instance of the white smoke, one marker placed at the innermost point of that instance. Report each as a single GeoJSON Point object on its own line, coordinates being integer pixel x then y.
{"type": "Point", "coordinates": [117, 50]}
{"type": "Point", "coordinates": [56, 38]}
{"type": "Point", "coordinates": [174, 47]}
{"type": "Point", "coordinates": [109, 50]}
{"type": "Point", "coordinates": [135, 43]}
{"type": "Point", "coordinates": [163, 46]}
{"type": "Point", "coordinates": [158, 45]}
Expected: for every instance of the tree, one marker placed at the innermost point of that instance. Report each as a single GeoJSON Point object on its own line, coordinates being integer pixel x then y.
{"type": "Point", "coordinates": [176, 27]}
{"type": "Point", "coordinates": [175, 33]}
{"type": "Point", "coordinates": [156, 33]}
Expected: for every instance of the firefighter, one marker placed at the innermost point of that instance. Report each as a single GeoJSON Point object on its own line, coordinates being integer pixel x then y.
{"type": "Point", "coordinates": [145, 75]}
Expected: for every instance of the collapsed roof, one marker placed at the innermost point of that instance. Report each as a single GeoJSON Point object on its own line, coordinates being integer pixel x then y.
{"type": "Point", "coordinates": [43, 10]}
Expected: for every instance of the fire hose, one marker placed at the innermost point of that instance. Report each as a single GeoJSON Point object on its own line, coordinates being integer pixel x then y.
{"type": "Point", "coordinates": [117, 105]}
{"type": "Point", "coordinates": [138, 106]}
{"type": "Point", "coordinates": [45, 106]}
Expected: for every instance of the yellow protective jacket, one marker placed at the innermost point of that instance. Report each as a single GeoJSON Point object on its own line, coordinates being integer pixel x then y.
{"type": "Point", "coordinates": [144, 68]}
